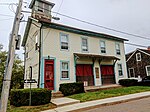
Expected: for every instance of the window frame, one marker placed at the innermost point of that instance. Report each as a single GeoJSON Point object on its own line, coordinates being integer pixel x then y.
{"type": "Point", "coordinates": [130, 72]}
{"type": "Point", "coordinates": [61, 70]}
{"type": "Point", "coordinates": [36, 41]}
{"type": "Point", "coordinates": [82, 44]}
{"type": "Point", "coordinates": [118, 49]}
{"type": "Point", "coordinates": [67, 35]}
{"type": "Point", "coordinates": [102, 48]}
{"type": "Point", "coordinates": [137, 56]}
{"type": "Point", "coordinates": [147, 70]}
{"type": "Point", "coordinates": [120, 70]}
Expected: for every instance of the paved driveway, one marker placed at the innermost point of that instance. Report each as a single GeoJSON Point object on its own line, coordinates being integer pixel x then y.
{"type": "Point", "coordinates": [142, 105]}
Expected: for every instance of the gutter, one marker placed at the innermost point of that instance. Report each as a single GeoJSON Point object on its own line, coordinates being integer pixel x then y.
{"type": "Point", "coordinates": [40, 55]}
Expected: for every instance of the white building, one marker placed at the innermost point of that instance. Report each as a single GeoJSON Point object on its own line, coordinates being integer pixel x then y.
{"type": "Point", "coordinates": [55, 53]}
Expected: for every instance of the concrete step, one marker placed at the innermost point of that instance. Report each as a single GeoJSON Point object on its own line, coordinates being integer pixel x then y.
{"type": "Point", "coordinates": [64, 101]}
{"type": "Point", "coordinates": [57, 95]}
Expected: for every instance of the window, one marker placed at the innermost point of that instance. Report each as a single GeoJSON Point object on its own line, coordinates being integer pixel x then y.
{"type": "Point", "coordinates": [148, 70]}
{"type": "Point", "coordinates": [120, 73]}
{"type": "Point", "coordinates": [64, 41]}
{"type": "Point", "coordinates": [42, 7]}
{"type": "Point", "coordinates": [84, 44]}
{"type": "Point", "coordinates": [64, 70]}
{"type": "Point", "coordinates": [36, 42]}
{"type": "Point", "coordinates": [102, 47]}
{"type": "Point", "coordinates": [138, 56]}
{"type": "Point", "coordinates": [118, 49]}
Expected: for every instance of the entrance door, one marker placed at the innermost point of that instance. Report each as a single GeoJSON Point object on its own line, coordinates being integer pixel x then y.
{"type": "Point", "coordinates": [107, 73]}
{"type": "Point", "coordinates": [49, 74]}
{"type": "Point", "coordinates": [131, 72]}
{"type": "Point", "coordinates": [84, 73]}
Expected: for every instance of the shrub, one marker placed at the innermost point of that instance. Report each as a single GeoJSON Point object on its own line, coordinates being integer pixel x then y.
{"type": "Point", "coordinates": [20, 97]}
{"type": "Point", "coordinates": [143, 83]}
{"type": "Point", "coordinates": [71, 88]}
{"type": "Point", "coordinates": [128, 82]}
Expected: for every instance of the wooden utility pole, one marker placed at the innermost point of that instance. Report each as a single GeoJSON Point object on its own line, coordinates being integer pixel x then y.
{"type": "Point", "coordinates": [10, 59]}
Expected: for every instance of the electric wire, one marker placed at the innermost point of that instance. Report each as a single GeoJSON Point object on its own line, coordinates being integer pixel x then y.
{"type": "Point", "coordinates": [93, 24]}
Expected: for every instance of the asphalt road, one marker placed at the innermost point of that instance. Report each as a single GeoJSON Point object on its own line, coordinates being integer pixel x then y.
{"type": "Point", "coordinates": [142, 105]}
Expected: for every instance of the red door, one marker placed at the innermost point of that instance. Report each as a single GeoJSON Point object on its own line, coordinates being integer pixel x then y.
{"type": "Point", "coordinates": [49, 74]}
{"type": "Point", "coordinates": [107, 73]}
{"type": "Point", "coordinates": [84, 73]}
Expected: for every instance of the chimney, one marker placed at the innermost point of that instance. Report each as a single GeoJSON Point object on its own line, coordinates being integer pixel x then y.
{"type": "Point", "coordinates": [41, 9]}
{"type": "Point", "coordinates": [148, 48]}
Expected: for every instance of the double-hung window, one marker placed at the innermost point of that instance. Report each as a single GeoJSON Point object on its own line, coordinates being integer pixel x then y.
{"type": "Point", "coordinates": [84, 44]}
{"type": "Point", "coordinates": [65, 70]}
{"type": "Point", "coordinates": [118, 49]}
{"type": "Point", "coordinates": [64, 41]}
{"type": "Point", "coordinates": [102, 47]}
{"type": "Point", "coordinates": [138, 56]}
{"type": "Point", "coordinates": [120, 73]}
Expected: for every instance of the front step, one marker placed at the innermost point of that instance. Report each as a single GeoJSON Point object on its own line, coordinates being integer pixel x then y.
{"type": "Point", "coordinates": [64, 101]}
{"type": "Point", "coordinates": [57, 95]}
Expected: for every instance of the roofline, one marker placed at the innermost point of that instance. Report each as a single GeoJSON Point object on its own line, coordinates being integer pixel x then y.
{"type": "Point", "coordinates": [44, 1]}
{"type": "Point", "coordinates": [135, 52]}
{"type": "Point", "coordinates": [57, 26]}
{"type": "Point", "coordinates": [80, 31]}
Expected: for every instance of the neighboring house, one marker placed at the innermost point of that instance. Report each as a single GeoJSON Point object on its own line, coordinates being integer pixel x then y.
{"type": "Point", "coordinates": [138, 63]}
{"type": "Point", "coordinates": [56, 53]}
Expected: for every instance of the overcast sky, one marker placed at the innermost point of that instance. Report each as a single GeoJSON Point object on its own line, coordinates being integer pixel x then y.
{"type": "Point", "coordinates": [131, 16]}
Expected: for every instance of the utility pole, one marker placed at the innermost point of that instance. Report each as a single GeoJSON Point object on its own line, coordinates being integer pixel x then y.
{"type": "Point", "coordinates": [10, 59]}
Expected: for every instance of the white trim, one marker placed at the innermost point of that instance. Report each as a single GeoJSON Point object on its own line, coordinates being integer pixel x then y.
{"type": "Point", "coordinates": [137, 56]}
{"type": "Point", "coordinates": [130, 73]}
{"type": "Point", "coordinates": [135, 52]}
{"type": "Point", "coordinates": [146, 70]}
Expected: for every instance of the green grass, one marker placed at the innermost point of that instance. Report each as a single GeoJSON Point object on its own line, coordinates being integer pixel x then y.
{"type": "Point", "coordinates": [83, 97]}
{"type": "Point", "coordinates": [31, 108]}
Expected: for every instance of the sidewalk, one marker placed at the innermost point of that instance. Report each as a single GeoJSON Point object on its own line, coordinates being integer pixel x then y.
{"type": "Point", "coordinates": [95, 103]}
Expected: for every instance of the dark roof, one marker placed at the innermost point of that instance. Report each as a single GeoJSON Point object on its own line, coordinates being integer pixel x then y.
{"type": "Point", "coordinates": [44, 1]}
{"type": "Point", "coordinates": [48, 23]}
{"type": "Point", "coordinates": [145, 50]}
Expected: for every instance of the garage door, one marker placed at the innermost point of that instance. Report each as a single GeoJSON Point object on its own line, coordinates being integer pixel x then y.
{"type": "Point", "coordinates": [108, 76]}
{"type": "Point", "coordinates": [84, 73]}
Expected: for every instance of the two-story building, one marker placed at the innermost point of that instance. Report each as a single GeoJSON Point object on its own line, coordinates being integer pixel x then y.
{"type": "Point", "coordinates": [56, 53]}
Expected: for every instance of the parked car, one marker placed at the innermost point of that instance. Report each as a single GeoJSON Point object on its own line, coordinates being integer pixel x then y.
{"type": "Point", "coordinates": [145, 81]}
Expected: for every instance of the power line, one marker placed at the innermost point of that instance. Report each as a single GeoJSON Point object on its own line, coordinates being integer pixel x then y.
{"type": "Point", "coordinates": [7, 3]}
{"type": "Point", "coordinates": [137, 45]}
{"type": "Point", "coordinates": [6, 19]}
{"type": "Point", "coordinates": [59, 7]}
{"type": "Point", "coordinates": [93, 24]}
{"type": "Point", "coordinates": [6, 15]}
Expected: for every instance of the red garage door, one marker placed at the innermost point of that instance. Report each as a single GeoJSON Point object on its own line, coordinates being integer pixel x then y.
{"type": "Point", "coordinates": [108, 76]}
{"type": "Point", "coordinates": [84, 73]}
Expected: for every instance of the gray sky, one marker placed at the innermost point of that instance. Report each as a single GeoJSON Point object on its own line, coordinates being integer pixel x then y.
{"type": "Point", "coordinates": [130, 16]}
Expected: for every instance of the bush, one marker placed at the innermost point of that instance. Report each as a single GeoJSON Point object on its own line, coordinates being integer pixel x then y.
{"type": "Point", "coordinates": [20, 97]}
{"type": "Point", "coordinates": [143, 83]}
{"type": "Point", "coordinates": [128, 82]}
{"type": "Point", "coordinates": [71, 88]}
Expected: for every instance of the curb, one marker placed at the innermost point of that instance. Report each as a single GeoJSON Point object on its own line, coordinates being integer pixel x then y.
{"type": "Point", "coordinates": [101, 102]}
{"type": "Point", "coordinates": [108, 104]}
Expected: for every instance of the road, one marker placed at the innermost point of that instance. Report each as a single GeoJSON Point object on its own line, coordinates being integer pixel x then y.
{"type": "Point", "coordinates": [142, 105]}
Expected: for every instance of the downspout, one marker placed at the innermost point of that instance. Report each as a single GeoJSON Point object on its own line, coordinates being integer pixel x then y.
{"type": "Point", "coordinates": [40, 40]}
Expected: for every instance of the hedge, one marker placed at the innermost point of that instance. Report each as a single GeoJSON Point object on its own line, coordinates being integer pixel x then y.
{"type": "Point", "coordinates": [128, 82]}
{"type": "Point", "coordinates": [20, 97]}
{"type": "Point", "coordinates": [71, 88]}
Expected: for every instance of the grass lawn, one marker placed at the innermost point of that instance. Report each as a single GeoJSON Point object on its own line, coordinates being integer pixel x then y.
{"type": "Point", "coordinates": [83, 97]}
{"type": "Point", "coordinates": [31, 108]}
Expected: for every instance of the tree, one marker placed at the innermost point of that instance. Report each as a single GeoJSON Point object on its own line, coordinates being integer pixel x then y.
{"type": "Point", "coordinates": [17, 79]}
